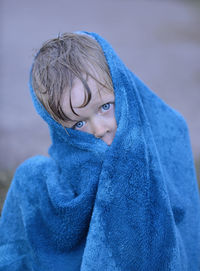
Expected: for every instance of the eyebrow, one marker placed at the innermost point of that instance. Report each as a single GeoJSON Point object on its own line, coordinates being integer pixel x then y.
{"type": "Point", "coordinates": [74, 121]}
{"type": "Point", "coordinates": [71, 120]}
{"type": "Point", "coordinates": [82, 118]}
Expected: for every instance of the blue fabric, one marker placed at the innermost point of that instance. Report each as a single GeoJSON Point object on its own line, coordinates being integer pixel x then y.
{"type": "Point", "coordinates": [133, 205]}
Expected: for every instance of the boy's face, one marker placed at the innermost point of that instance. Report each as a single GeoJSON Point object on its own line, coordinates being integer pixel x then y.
{"type": "Point", "coordinates": [97, 117]}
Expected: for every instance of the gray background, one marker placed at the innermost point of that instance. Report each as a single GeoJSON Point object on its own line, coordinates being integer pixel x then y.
{"type": "Point", "coordinates": [158, 40]}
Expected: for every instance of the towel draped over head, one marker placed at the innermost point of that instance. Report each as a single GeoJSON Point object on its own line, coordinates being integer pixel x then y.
{"type": "Point", "coordinates": [133, 205]}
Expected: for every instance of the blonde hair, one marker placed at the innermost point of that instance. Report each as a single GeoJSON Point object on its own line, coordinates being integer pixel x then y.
{"type": "Point", "coordinates": [59, 62]}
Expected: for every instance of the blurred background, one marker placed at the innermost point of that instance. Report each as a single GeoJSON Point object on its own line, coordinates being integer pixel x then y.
{"type": "Point", "coordinates": [158, 40]}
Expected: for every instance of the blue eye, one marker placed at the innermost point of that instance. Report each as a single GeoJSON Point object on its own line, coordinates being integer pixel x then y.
{"type": "Point", "coordinates": [79, 124]}
{"type": "Point", "coordinates": [106, 106]}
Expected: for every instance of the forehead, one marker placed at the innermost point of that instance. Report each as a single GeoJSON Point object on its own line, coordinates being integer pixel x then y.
{"type": "Point", "coordinates": [98, 92]}
{"type": "Point", "coordinates": [99, 95]}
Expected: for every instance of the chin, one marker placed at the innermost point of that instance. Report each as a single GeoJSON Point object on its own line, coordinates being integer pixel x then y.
{"type": "Point", "coordinates": [108, 142]}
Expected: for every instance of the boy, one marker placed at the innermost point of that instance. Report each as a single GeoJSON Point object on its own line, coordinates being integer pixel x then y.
{"type": "Point", "coordinates": [118, 191]}
{"type": "Point", "coordinates": [83, 82]}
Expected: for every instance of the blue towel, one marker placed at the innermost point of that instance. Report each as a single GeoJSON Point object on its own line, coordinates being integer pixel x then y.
{"type": "Point", "coordinates": [130, 206]}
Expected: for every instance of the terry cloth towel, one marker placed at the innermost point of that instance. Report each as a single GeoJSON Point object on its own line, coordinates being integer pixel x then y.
{"type": "Point", "coordinates": [131, 206]}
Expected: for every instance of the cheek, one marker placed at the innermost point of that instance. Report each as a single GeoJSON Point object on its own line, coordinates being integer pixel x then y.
{"type": "Point", "coordinates": [85, 128]}
{"type": "Point", "coordinates": [111, 118]}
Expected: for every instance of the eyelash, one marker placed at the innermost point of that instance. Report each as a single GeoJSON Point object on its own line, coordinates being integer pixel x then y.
{"type": "Point", "coordinates": [75, 125]}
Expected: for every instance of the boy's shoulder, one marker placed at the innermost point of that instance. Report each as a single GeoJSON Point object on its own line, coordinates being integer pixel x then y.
{"type": "Point", "coordinates": [29, 180]}
{"type": "Point", "coordinates": [34, 169]}
{"type": "Point", "coordinates": [35, 164]}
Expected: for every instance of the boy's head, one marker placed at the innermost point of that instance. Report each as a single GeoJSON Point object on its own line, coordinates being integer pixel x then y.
{"type": "Point", "coordinates": [70, 77]}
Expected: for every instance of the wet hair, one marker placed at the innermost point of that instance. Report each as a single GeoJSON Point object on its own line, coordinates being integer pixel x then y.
{"type": "Point", "coordinates": [62, 60]}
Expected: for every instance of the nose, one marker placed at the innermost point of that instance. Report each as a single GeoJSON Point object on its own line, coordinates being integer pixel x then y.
{"type": "Point", "coordinates": [99, 128]}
